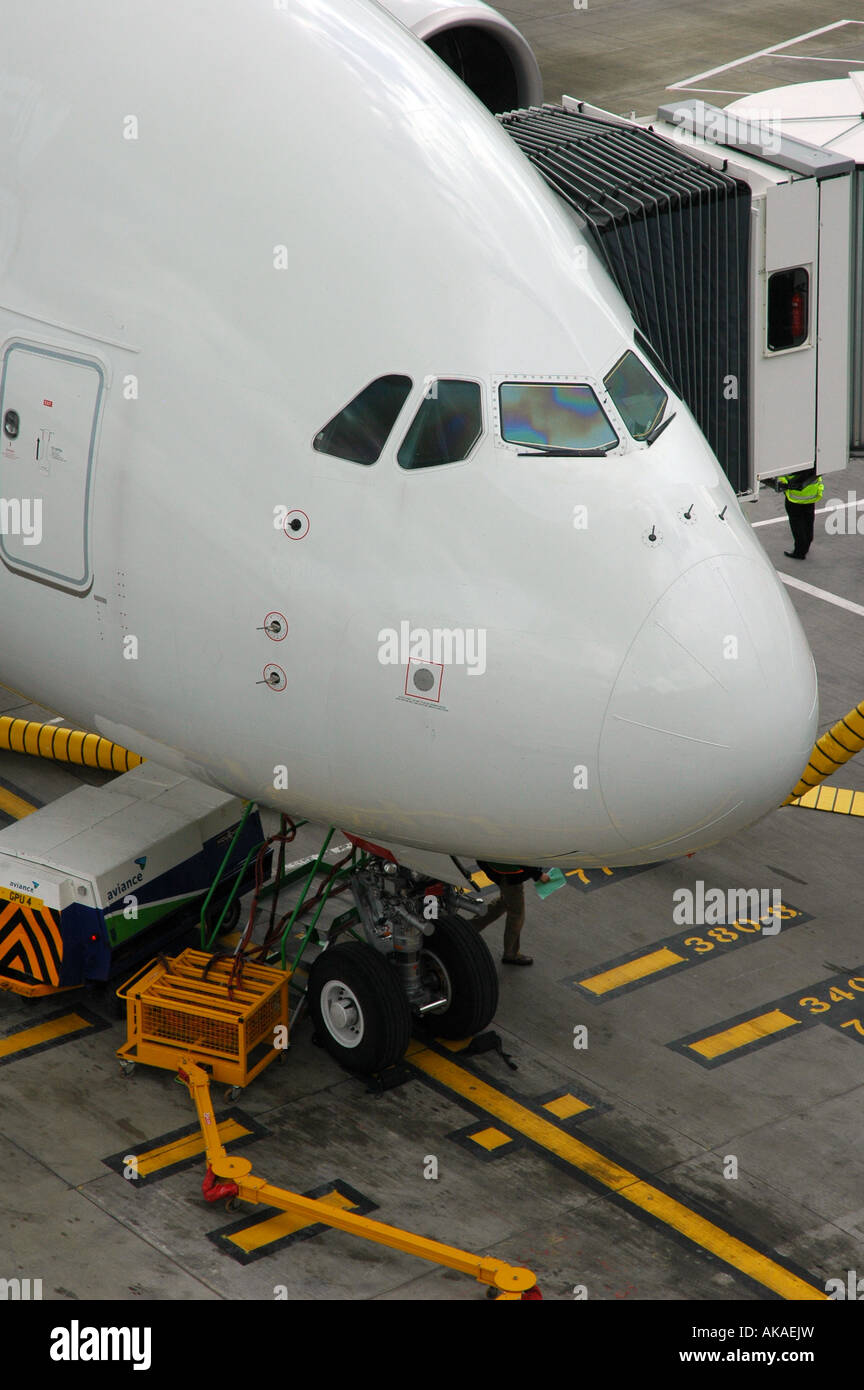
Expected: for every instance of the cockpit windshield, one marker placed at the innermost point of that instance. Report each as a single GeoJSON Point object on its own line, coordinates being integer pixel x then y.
{"type": "Point", "coordinates": [362, 427]}
{"type": "Point", "coordinates": [554, 416]}
{"type": "Point", "coordinates": [638, 398]}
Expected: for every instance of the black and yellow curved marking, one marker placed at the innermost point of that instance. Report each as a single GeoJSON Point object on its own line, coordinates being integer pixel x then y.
{"type": "Point", "coordinates": [840, 743]}
{"type": "Point", "coordinates": [31, 948]}
{"type": "Point", "coordinates": [65, 745]}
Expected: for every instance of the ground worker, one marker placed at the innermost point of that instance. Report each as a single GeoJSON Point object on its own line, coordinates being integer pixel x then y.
{"type": "Point", "coordinates": [802, 492]}
{"type": "Point", "coordinates": [510, 879]}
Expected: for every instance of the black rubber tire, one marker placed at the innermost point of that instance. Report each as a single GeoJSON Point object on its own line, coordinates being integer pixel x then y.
{"type": "Point", "coordinates": [473, 978]}
{"type": "Point", "coordinates": [232, 917]}
{"type": "Point", "coordinates": [386, 1017]}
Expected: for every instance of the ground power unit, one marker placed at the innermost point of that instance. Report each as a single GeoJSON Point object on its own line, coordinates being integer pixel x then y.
{"type": "Point", "coordinates": [91, 882]}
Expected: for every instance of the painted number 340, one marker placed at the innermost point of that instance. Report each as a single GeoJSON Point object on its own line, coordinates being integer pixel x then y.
{"type": "Point", "coordinates": [835, 996]}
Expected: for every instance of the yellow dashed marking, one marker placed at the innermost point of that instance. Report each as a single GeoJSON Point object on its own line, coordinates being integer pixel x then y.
{"type": "Point", "coordinates": [841, 800]}
{"type": "Point", "coordinates": [154, 1160]}
{"type": "Point", "coordinates": [566, 1106]}
{"type": "Point", "coordinates": [265, 1232]}
{"type": "Point", "coordinates": [632, 970]}
{"type": "Point", "coordinates": [15, 805]}
{"type": "Point", "coordinates": [743, 1033]}
{"type": "Point", "coordinates": [43, 1032]}
{"type": "Point", "coordinates": [490, 1138]}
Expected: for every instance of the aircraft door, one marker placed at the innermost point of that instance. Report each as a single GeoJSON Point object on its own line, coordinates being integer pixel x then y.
{"type": "Point", "coordinates": [49, 410]}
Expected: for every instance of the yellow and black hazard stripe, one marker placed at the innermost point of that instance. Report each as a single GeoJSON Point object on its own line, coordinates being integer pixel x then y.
{"type": "Point", "coordinates": [31, 949]}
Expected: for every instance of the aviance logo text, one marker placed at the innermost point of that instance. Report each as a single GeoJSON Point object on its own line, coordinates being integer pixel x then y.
{"type": "Point", "coordinates": [124, 886]}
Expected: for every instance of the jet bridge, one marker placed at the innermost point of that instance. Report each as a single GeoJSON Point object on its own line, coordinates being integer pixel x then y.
{"type": "Point", "coordinates": [730, 245]}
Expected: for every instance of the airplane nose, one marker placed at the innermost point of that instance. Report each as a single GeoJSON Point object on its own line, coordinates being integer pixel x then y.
{"type": "Point", "coordinates": [713, 713]}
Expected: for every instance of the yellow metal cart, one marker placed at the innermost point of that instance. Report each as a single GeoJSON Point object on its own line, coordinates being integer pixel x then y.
{"type": "Point", "coordinates": [231, 1015]}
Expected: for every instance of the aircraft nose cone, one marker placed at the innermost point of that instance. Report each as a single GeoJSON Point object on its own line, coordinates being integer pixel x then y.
{"type": "Point", "coordinates": [713, 713]}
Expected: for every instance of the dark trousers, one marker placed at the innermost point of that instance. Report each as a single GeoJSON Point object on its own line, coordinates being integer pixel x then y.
{"type": "Point", "coordinates": [511, 901]}
{"type": "Point", "coordinates": [801, 518]}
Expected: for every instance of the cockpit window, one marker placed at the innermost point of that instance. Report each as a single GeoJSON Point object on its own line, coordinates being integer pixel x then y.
{"type": "Point", "coordinates": [655, 359]}
{"type": "Point", "coordinates": [639, 399]}
{"type": "Point", "coordinates": [446, 427]}
{"type": "Point", "coordinates": [564, 417]}
{"type": "Point", "coordinates": [361, 429]}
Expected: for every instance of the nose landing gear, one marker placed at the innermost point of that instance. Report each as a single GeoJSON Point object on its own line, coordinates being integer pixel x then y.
{"type": "Point", "coordinates": [409, 967]}
{"type": "Point", "coordinates": [358, 1007]}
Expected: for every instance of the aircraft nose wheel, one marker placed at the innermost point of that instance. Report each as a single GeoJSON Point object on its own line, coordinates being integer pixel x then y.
{"type": "Point", "coordinates": [456, 963]}
{"type": "Point", "coordinates": [342, 1013]}
{"type": "Point", "coordinates": [358, 1007]}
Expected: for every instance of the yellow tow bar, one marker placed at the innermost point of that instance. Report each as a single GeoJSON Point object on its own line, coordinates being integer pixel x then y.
{"type": "Point", "coordinates": [230, 1176]}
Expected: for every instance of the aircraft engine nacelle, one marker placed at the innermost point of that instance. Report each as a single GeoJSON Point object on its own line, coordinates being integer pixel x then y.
{"type": "Point", "coordinates": [479, 45]}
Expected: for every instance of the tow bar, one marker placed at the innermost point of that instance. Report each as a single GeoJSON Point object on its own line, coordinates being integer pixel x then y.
{"type": "Point", "coordinates": [230, 1177]}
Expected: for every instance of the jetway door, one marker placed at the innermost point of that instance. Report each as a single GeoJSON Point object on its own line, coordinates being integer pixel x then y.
{"type": "Point", "coordinates": [785, 377]}
{"type": "Point", "coordinates": [49, 411]}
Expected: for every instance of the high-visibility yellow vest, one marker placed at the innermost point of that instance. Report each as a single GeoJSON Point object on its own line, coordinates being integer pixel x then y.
{"type": "Point", "coordinates": [811, 493]}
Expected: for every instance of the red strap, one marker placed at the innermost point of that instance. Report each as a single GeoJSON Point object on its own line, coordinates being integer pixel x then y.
{"type": "Point", "coordinates": [371, 848]}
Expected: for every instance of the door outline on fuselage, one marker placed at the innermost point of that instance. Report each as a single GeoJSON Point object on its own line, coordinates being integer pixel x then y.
{"type": "Point", "coordinates": [17, 564]}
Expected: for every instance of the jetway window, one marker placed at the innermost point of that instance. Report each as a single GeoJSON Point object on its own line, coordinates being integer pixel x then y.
{"type": "Point", "coordinates": [562, 417]}
{"type": "Point", "coordinates": [788, 309]}
{"type": "Point", "coordinates": [638, 398]}
{"type": "Point", "coordinates": [445, 428]}
{"type": "Point", "coordinates": [361, 429]}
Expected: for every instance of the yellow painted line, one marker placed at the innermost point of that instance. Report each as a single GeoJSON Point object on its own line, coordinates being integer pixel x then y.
{"type": "Point", "coordinates": [566, 1106]}
{"type": "Point", "coordinates": [153, 1160]}
{"type": "Point", "coordinates": [841, 800]}
{"type": "Point", "coordinates": [629, 1186]}
{"type": "Point", "coordinates": [42, 1032]}
{"type": "Point", "coordinates": [15, 805]}
{"type": "Point", "coordinates": [632, 970]}
{"type": "Point", "coordinates": [490, 1138]}
{"type": "Point", "coordinates": [743, 1033]}
{"type": "Point", "coordinates": [265, 1232]}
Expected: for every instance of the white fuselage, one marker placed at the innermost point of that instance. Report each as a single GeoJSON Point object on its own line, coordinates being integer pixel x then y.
{"type": "Point", "coordinates": [416, 240]}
